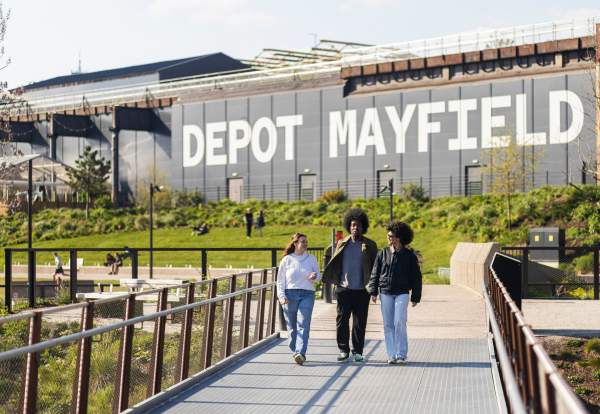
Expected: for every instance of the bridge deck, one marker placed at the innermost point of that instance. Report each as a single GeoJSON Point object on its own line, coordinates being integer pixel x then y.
{"type": "Point", "coordinates": [449, 369]}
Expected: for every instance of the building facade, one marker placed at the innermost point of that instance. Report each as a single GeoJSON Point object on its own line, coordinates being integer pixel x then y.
{"type": "Point", "coordinates": [431, 120]}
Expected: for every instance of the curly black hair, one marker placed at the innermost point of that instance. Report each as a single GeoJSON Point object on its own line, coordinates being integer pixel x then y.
{"type": "Point", "coordinates": [359, 215]}
{"type": "Point", "coordinates": [402, 231]}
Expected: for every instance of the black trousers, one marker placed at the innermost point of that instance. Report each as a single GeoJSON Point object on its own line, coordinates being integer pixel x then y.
{"type": "Point", "coordinates": [248, 229]}
{"type": "Point", "coordinates": [355, 303]}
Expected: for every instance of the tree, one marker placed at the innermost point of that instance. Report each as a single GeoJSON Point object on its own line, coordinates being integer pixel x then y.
{"type": "Point", "coordinates": [89, 175]}
{"type": "Point", "coordinates": [510, 168]}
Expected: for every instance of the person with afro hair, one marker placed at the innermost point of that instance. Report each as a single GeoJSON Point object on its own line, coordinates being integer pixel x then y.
{"type": "Point", "coordinates": [349, 269]}
{"type": "Point", "coordinates": [396, 274]}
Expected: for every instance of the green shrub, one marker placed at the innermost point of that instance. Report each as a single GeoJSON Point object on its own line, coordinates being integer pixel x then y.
{"type": "Point", "coordinates": [414, 192]}
{"type": "Point", "coordinates": [334, 196]}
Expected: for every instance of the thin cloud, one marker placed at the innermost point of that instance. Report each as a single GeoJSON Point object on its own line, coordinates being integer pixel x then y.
{"type": "Point", "coordinates": [230, 12]}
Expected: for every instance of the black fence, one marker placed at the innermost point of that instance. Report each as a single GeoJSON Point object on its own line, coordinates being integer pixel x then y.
{"type": "Point", "coordinates": [36, 289]}
{"type": "Point", "coordinates": [558, 272]}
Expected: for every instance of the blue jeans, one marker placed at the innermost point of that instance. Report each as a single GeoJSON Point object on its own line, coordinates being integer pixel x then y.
{"type": "Point", "coordinates": [298, 313]}
{"type": "Point", "coordinates": [394, 309]}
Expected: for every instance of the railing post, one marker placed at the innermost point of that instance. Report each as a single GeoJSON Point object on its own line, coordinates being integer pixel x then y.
{"type": "Point", "coordinates": [158, 343]}
{"type": "Point", "coordinates": [228, 334]}
{"type": "Point", "coordinates": [72, 275]}
{"type": "Point", "coordinates": [273, 258]}
{"type": "Point", "coordinates": [244, 340]}
{"type": "Point", "coordinates": [186, 335]}
{"type": "Point", "coordinates": [210, 325]}
{"type": "Point", "coordinates": [82, 380]}
{"type": "Point", "coordinates": [596, 273]}
{"type": "Point", "coordinates": [8, 279]}
{"type": "Point", "coordinates": [525, 273]}
{"type": "Point", "coordinates": [30, 379]}
{"type": "Point", "coordinates": [134, 263]}
{"type": "Point", "coordinates": [31, 277]}
{"type": "Point", "coordinates": [204, 272]}
{"type": "Point", "coordinates": [272, 306]}
{"type": "Point", "coordinates": [121, 400]}
{"type": "Point", "coordinates": [260, 309]}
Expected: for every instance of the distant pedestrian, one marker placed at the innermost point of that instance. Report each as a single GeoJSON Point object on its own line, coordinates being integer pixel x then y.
{"type": "Point", "coordinates": [260, 222]}
{"type": "Point", "coordinates": [249, 218]}
{"type": "Point", "coordinates": [58, 270]}
{"type": "Point", "coordinates": [396, 273]}
{"type": "Point", "coordinates": [296, 278]}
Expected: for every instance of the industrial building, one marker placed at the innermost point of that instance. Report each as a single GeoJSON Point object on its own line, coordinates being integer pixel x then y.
{"type": "Point", "coordinates": [291, 124]}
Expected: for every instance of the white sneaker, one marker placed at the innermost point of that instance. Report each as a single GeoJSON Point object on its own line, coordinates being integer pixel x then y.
{"type": "Point", "coordinates": [401, 360]}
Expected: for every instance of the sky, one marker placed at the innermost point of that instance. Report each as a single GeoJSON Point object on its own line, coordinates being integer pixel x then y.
{"type": "Point", "coordinates": [45, 38]}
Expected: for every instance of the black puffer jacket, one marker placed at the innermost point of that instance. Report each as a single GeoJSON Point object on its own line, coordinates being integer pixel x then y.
{"type": "Point", "coordinates": [396, 273]}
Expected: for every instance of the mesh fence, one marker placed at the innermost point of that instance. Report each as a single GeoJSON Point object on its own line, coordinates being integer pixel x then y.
{"type": "Point", "coordinates": [197, 340]}
{"type": "Point", "coordinates": [56, 376]}
{"type": "Point", "coordinates": [11, 390]}
{"type": "Point", "coordinates": [565, 273]}
{"type": "Point", "coordinates": [104, 362]}
{"type": "Point", "coordinates": [141, 362]}
{"type": "Point", "coordinates": [171, 349]}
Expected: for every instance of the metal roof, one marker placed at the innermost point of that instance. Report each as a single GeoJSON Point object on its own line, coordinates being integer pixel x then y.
{"type": "Point", "coordinates": [14, 160]}
{"type": "Point", "coordinates": [210, 63]}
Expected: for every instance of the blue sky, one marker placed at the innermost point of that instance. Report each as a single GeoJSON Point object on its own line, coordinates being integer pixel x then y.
{"type": "Point", "coordinates": [45, 38]}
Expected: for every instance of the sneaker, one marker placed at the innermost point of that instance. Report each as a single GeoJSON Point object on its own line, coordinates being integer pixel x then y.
{"type": "Point", "coordinates": [358, 358]}
{"type": "Point", "coordinates": [343, 356]}
{"type": "Point", "coordinates": [392, 361]}
{"type": "Point", "coordinates": [299, 358]}
{"type": "Point", "coordinates": [401, 360]}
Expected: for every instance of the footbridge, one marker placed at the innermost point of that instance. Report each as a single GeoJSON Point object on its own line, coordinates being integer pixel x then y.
{"type": "Point", "coordinates": [220, 349]}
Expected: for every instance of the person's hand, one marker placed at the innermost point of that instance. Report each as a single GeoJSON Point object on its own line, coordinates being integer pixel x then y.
{"type": "Point", "coordinates": [283, 301]}
{"type": "Point", "coordinates": [414, 304]}
{"type": "Point", "coordinates": [374, 299]}
{"type": "Point", "coordinates": [312, 275]}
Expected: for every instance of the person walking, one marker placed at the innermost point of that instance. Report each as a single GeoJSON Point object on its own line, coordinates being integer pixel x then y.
{"type": "Point", "coordinates": [58, 271]}
{"type": "Point", "coordinates": [260, 222]}
{"type": "Point", "coordinates": [249, 218]}
{"type": "Point", "coordinates": [396, 273]}
{"type": "Point", "coordinates": [296, 278]}
{"type": "Point", "coordinates": [349, 270]}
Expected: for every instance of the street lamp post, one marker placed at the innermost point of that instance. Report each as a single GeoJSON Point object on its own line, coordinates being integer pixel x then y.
{"type": "Point", "coordinates": [153, 188]}
{"type": "Point", "coordinates": [391, 188]}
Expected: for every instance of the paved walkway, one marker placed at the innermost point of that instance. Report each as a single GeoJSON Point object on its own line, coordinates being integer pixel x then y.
{"type": "Point", "coordinates": [449, 369]}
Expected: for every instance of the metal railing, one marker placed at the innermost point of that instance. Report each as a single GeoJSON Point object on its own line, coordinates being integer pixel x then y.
{"type": "Point", "coordinates": [458, 43]}
{"type": "Point", "coordinates": [532, 382]}
{"type": "Point", "coordinates": [114, 355]}
{"type": "Point", "coordinates": [133, 254]}
{"type": "Point", "coordinates": [553, 272]}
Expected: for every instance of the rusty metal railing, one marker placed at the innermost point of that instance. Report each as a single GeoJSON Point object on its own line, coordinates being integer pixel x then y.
{"type": "Point", "coordinates": [532, 382]}
{"type": "Point", "coordinates": [115, 356]}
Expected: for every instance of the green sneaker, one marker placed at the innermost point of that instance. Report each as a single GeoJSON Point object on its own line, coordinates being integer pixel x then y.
{"type": "Point", "coordinates": [358, 358]}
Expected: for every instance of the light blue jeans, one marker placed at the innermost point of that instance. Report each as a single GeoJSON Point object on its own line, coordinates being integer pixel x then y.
{"type": "Point", "coordinates": [394, 309]}
{"type": "Point", "coordinates": [298, 313]}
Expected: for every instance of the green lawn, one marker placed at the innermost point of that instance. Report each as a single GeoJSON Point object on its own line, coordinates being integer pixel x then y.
{"type": "Point", "coordinates": [435, 245]}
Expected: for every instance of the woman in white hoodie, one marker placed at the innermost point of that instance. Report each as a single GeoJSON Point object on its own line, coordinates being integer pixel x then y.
{"type": "Point", "coordinates": [296, 278]}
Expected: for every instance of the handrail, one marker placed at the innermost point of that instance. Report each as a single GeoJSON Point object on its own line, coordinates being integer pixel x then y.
{"type": "Point", "coordinates": [545, 391]}
{"type": "Point", "coordinates": [197, 325]}
{"type": "Point", "coordinates": [41, 346]}
{"type": "Point", "coordinates": [508, 375]}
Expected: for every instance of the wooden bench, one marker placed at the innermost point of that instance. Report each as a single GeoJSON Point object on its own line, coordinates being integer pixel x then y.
{"type": "Point", "coordinates": [140, 285]}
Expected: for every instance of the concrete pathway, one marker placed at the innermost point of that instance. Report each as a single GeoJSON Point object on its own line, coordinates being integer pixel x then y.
{"type": "Point", "coordinates": [449, 369]}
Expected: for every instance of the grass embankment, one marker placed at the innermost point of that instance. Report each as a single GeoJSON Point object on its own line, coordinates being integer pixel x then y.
{"type": "Point", "coordinates": [435, 245]}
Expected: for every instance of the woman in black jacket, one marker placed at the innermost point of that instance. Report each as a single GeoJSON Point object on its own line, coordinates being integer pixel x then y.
{"type": "Point", "coordinates": [395, 274]}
